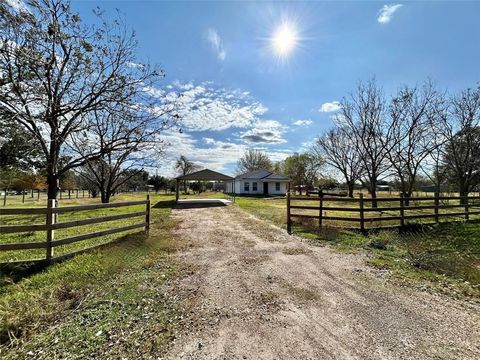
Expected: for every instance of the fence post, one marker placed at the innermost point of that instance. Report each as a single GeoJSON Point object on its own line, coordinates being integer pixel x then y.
{"type": "Point", "coordinates": [467, 217]}
{"type": "Point", "coordinates": [289, 223]}
{"type": "Point", "coordinates": [5, 198]}
{"type": "Point", "coordinates": [362, 214]}
{"type": "Point", "coordinates": [320, 208]}
{"type": "Point", "coordinates": [437, 204]}
{"type": "Point", "coordinates": [402, 210]}
{"type": "Point", "coordinates": [147, 215]}
{"type": "Point", "coordinates": [52, 203]}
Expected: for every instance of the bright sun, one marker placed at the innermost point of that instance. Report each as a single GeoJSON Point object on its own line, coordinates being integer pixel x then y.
{"type": "Point", "coordinates": [284, 39]}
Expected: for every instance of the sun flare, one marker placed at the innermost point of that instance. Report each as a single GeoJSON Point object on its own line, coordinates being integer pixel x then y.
{"type": "Point", "coordinates": [284, 39]}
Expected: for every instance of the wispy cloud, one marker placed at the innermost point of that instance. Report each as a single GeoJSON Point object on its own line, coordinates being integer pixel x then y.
{"type": "Point", "coordinates": [330, 106]}
{"type": "Point", "coordinates": [265, 132]}
{"type": "Point", "coordinates": [216, 43]}
{"type": "Point", "coordinates": [385, 14]}
{"type": "Point", "coordinates": [302, 122]}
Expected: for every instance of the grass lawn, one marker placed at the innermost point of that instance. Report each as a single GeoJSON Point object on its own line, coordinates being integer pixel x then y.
{"type": "Point", "coordinates": [444, 256]}
{"type": "Point", "coordinates": [112, 302]}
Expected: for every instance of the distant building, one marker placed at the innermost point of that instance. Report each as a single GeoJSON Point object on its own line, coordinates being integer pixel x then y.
{"type": "Point", "coordinates": [259, 182]}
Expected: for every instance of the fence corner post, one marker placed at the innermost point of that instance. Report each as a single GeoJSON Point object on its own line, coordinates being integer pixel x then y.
{"type": "Point", "coordinates": [402, 211]}
{"type": "Point", "coordinates": [289, 222]}
{"type": "Point", "coordinates": [50, 221]}
{"type": "Point", "coordinates": [362, 214]}
{"type": "Point", "coordinates": [437, 205]}
{"type": "Point", "coordinates": [147, 215]}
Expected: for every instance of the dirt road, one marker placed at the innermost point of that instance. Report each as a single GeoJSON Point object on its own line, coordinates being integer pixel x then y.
{"type": "Point", "coordinates": [258, 293]}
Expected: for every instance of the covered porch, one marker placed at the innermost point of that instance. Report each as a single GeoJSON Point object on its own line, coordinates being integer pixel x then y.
{"type": "Point", "coordinates": [203, 175]}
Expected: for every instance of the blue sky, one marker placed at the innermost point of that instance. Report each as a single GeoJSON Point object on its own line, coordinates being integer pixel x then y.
{"type": "Point", "coordinates": [240, 95]}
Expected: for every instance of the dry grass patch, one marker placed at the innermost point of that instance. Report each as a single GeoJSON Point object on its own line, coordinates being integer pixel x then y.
{"type": "Point", "coordinates": [302, 294]}
{"type": "Point", "coordinates": [296, 251]}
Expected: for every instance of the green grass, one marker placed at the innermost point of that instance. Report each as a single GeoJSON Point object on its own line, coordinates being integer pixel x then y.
{"type": "Point", "coordinates": [444, 256]}
{"type": "Point", "coordinates": [39, 236]}
{"type": "Point", "coordinates": [111, 302]}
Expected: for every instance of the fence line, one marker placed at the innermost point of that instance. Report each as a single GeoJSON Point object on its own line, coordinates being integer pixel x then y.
{"type": "Point", "coordinates": [360, 221]}
{"type": "Point", "coordinates": [51, 224]}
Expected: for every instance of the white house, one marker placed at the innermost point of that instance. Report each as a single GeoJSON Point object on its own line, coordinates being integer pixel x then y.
{"type": "Point", "coordinates": [259, 182]}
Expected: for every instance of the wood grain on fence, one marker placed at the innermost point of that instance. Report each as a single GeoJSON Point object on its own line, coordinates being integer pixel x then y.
{"type": "Point", "coordinates": [51, 224]}
{"type": "Point", "coordinates": [368, 215]}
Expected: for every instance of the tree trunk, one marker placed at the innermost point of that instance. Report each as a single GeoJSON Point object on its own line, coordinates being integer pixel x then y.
{"type": "Point", "coordinates": [463, 194]}
{"type": "Point", "coordinates": [105, 197]}
{"type": "Point", "coordinates": [350, 189]}
{"type": "Point", "coordinates": [52, 183]}
{"type": "Point", "coordinates": [373, 194]}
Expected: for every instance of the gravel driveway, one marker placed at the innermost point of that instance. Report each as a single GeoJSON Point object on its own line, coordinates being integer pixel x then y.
{"type": "Point", "coordinates": [258, 293]}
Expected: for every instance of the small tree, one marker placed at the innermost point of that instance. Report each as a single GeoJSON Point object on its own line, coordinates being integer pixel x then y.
{"type": "Point", "coordinates": [184, 167]}
{"type": "Point", "coordinates": [303, 169]}
{"type": "Point", "coordinates": [158, 182]}
{"type": "Point", "coordinates": [337, 149]}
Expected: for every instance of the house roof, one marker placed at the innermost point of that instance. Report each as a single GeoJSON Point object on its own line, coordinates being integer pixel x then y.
{"type": "Point", "coordinates": [262, 175]}
{"type": "Point", "coordinates": [206, 175]}
{"type": "Point", "coordinates": [275, 176]}
{"type": "Point", "coordinates": [256, 174]}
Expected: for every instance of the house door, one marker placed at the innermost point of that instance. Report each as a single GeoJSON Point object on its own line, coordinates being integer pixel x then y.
{"type": "Point", "coordinates": [265, 188]}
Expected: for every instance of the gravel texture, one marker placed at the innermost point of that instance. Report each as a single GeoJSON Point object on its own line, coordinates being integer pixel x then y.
{"type": "Point", "coordinates": [258, 293]}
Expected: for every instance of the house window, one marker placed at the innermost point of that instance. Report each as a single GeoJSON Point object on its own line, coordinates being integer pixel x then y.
{"type": "Point", "coordinates": [246, 186]}
{"type": "Point", "coordinates": [277, 186]}
{"type": "Point", "coordinates": [254, 186]}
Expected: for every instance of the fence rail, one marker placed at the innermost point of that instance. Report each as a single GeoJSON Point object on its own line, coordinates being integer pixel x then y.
{"type": "Point", "coordinates": [376, 216]}
{"type": "Point", "coordinates": [51, 224]}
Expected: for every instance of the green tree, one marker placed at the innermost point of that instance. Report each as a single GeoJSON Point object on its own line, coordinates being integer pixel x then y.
{"type": "Point", "coordinates": [303, 169]}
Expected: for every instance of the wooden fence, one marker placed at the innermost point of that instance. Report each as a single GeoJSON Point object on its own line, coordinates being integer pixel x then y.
{"type": "Point", "coordinates": [365, 216]}
{"type": "Point", "coordinates": [51, 224]}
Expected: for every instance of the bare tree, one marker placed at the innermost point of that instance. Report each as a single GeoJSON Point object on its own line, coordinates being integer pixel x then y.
{"type": "Point", "coordinates": [128, 137]}
{"type": "Point", "coordinates": [363, 116]}
{"type": "Point", "coordinates": [254, 160]}
{"type": "Point", "coordinates": [56, 72]}
{"type": "Point", "coordinates": [461, 155]}
{"type": "Point", "coordinates": [338, 151]}
{"type": "Point", "coordinates": [412, 113]}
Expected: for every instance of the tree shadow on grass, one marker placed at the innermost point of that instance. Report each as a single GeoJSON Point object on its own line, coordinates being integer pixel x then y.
{"type": "Point", "coordinates": [164, 204]}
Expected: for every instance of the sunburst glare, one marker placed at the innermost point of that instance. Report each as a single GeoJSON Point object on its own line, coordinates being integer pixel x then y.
{"type": "Point", "coordinates": [285, 39]}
